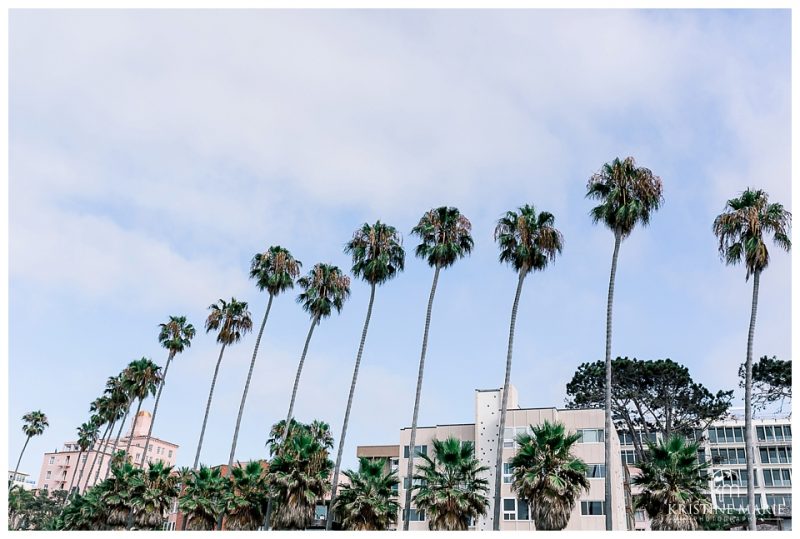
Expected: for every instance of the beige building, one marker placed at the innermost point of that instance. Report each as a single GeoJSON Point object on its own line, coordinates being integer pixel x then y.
{"type": "Point", "coordinates": [589, 512]}
{"type": "Point", "coordinates": [59, 467]}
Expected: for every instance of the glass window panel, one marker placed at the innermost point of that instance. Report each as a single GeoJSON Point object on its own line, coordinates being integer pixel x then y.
{"type": "Point", "coordinates": [522, 510]}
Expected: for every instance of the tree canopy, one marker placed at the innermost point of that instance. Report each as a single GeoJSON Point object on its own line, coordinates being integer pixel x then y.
{"type": "Point", "coordinates": [772, 381]}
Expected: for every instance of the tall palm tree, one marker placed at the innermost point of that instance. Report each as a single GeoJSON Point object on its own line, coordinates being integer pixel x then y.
{"type": "Point", "coordinates": [87, 435]}
{"type": "Point", "coordinates": [106, 411]}
{"type": "Point", "coordinates": [33, 424]}
{"type": "Point", "coordinates": [231, 321]}
{"type": "Point", "coordinates": [742, 228]}
{"type": "Point", "coordinates": [444, 238]}
{"type": "Point", "coordinates": [121, 400]}
{"type": "Point", "coordinates": [274, 271]}
{"type": "Point", "coordinates": [378, 256]}
{"type": "Point", "coordinates": [671, 478]}
{"type": "Point", "coordinates": [176, 336]}
{"type": "Point", "coordinates": [547, 475]}
{"type": "Point", "coordinates": [451, 486]}
{"type": "Point", "coordinates": [203, 499]}
{"type": "Point", "coordinates": [325, 288]}
{"type": "Point", "coordinates": [142, 380]}
{"type": "Point", "coordinates": [528, 242]}
{"type": "Point", "coordinates": [247, 498]}
{"type": "Point", "coordinates": [368, 502]}
{"type": "Point", "coordinates": [627, 196]}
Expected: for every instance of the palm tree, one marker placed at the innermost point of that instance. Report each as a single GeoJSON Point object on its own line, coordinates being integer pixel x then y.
{"type": "Point", "coordinates": [176, 336]}
{"type": "Point", "coordinates": [119, 495]}
{"type": "Point", "coordinates": [627, 196]}
{"type": "Point", "coordinates": [154, 497]}
{"type": "Point", "coordinates": [368, 502]}
{"type": "Point", "coordinates": [298, 476]}
{"type": "Point", "coordinates": [203, 500]}
{"type": "Point", "coordinates": [528, 242]}
{"type": "Point", "coordinates": [247, 499]}
{"type": "Point", "coordinates": [451, 489]}
{"type": "Point", "coordinates": [672, 478]}
{"type": "Point", "coordinates": [87, 435]}
{"type": "Point", "coordinates": [742, 228]}
{"type": "Point", "coordinates": [274, 271]}
{"type": "Point", "coordinates": [34, 424]}
{"type": "Point", "coordinates": [106, 411]}
{"type": "Point", "coordinates": [378, 256]}
{"type": "Point", "coordinates": [325, 288]}
{"type": "Point", "coordinates": [120, 402]}
{"type": "Point", "coordinates": [444, 238]}
{"type": "Point", "coordinates": [232, 321]}
{"type": "Point", "coordinates": [547, 475]}
{"type": "Point", "coordinates": [142, 380]}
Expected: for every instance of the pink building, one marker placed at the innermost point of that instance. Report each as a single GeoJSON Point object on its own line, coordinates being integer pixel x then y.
{"type": "Point", "coordinates": [59, 467]}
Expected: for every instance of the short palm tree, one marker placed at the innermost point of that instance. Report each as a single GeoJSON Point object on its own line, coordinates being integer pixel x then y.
{"type": "Point", "coordinates": [274, 271]}
{"type": "Point", "coordinates": [627, 195]}
{"type": "Point", "coordinates": [547, 475]}
{"type": "Point", "coordinates": [248, 497]}
{"type": "Point", "coordinates": [154, 498]}
{"type": "Point", "coordinates": [203, 499]}
{"type": "Point", "coordinates": [451, 487]}
{"type": "Point", "coordinates": [120, 492]}
{"type": "Point", "coordinates": [742, 229]}
{"type": "Point", "coordinates": [528, 242]}
{"type": "Point", "coordinates": [87, 436]}
{"type": "Point", "coordinates": [378, 256]}
{"type": "Point", "coordinates": [671, 479]}
{"type": "Point", "coordinates": [445, 237]}
{"type": "Point", "coordinates": [142, 380]}
{"type": "Point", "coordinates": [325, 289]}
{"type": "Point", "coordinates": [231, 321]}
{"type": "Point", "coordinates": [33, 424]}
{"type": "Point", "coordinates": [368, 502]}
{"type": "Point", "coordinates": [176, 336]}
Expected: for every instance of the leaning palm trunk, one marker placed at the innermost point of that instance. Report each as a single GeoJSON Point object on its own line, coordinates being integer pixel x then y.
{"type": "Point", "coordinates": [329, 522]}
{"type": "Point", "coordinates": [247, 384]}
{"type": "Point", "coordinates": [748, 410]}
{"type": "Point", "coordinates": [74, 475]}
{"type": "Point", "coordinates": [208, 408]}
{"type": "Point", "coordinates": [411, 448]}
{"type": "Point", "coordinates": [155, 407]}
{"type": "Point", "coordinates": [314, 321]}
{"type": "Point", "coordinates": [498, 474]}
{"type": "Point", "coordinates": [98, 449]}
{"type": "Point", "coordinates": [609, 424]}
{"type": "Point", "coordinates": [16, 469]}
{"type": "Point", "coordinates": [116, 443]}
{"type": "Point", "coordinates": [133, 429]}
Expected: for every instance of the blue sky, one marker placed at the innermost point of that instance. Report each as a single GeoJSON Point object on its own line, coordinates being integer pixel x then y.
{"type": "Point", "coordinates": [153, 153]}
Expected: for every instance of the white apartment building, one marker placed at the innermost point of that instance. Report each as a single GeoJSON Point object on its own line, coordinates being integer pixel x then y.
{"type": "Point", "coordinates": [589, 512]}
{"type": "Point", "coordinates": [21, 479]}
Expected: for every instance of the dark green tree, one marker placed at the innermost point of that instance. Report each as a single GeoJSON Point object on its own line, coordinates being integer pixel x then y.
{"type": "Point", "coordinates": [772, 381]}
{"type": "Point", "coordinates": [368, 502]}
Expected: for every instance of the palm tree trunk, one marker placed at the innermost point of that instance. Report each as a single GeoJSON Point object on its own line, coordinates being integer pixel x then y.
{"type": "Point", "coordinates": [247, 384]}
{"type": "Point", "coordinates": [498, 474]}
{"type": "Point", "coordinates": [208, 408]}
{"type": "Point", "coordinates": [410, 468]}
{"type": "Point", "coordinates": [133, 428]}
{"type": "Point", "coordinates": [609, 424]}
{"type": "Point", "coordinates": [116, 443]}
{"type": "Point", "coordinates": [155, 406]}
{"type": "Point", "coordinates": [74, 475]}
{"type": "Point", "coordinates": [329, 521]}
{"type": "Point", "coordinates": [297, 379]}
{"type": "Point", "coordinates": [109, 428]}
{"type": "Point", "coordinates": [750, 448]}
{"type": "Point", "coordinates": [16, 469]}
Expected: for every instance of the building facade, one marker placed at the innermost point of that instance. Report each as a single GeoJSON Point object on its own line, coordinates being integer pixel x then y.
{"type": "Point", "coordinates": [59, 467]}
{"type": "Point", "coordinates": [589, 512]}
{"type": "Point", "coordinates": [22, 480]}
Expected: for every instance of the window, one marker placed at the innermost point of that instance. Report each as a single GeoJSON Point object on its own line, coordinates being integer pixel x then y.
{"type": "Point", "coordinates": [320, 512]}
{"type": "Point", "coordinates": [510, 435]}
{"type": "Point", "coordinates": [46, 486]}
{"type": "Point", "coordinates": [629, 456]}
{"type": "Point", "coordinates": [735, 501]}
{"type": "Point", "coordinates": [67, 460]}
{"type": "Point", "coordinates": [592, 508]}
{"type": "Point", "coordinates": [774, 433]}
{"type": "Point", "coordinates": [507, 473]}
{"type": "Point", "coordinates": [49, 473]}
{"type": "Point", "coordinates": [779, 500]}
{"type": "Point", "coordinates": [523, 512]}
{"type": "Point", "coordinates": [595, 471]}
{"type": "Point", "coordinates": [149, 448]}
{"type": "Point", "coordinates": [776, 455]}
{"type": "Point", "coordinates": [509, 509]}
{"type": "Point", "coordinates": [639, 516]}
{"type": "Point", "coordinates": [52, 460]}
{"type": "Point", "coordinates": [83, 458]}
{"type": "Point", "coordinates": [394, 463]}
{"type": "Point", "coordinates": [728, 456]}
{"type": "Point", "coordinates": [418, 450]}
{"type": "Point", "coordinates": [728, 478]}
{"type": "Point", "coordinates": [590, 436]}
{"type": "Point", "coordinates": [726, 435]}
{"type": "Point", "coordinates": [170, 453]}
{"type": "Point", "coordinates": [778, 478]}
{"type": "Point", "coordinates": [417, 482]}
{"type": "Point", "coordinates": [416, 516]}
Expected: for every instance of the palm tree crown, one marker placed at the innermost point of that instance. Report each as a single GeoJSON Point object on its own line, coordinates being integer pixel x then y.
{"type": "Point", "coordinates": [451, 489]}
{"type": "Point", "coordinates": [324, 288]}
{"type": "Point", "coordinates": [528, 241]}
{"type": "Point", "coordinates": [275, 270]}
{"type": "Point", "coordinates": [377, 252]}
{"type": "Point", "coordinates": [369, 501]}
{"type": "Point", "coordinates": [743, 225]}
{"type": "Point", "coordinates": [231, 319]}
{"type": "Point", "coordinates": [34, 423]}
{"type": "Point", "coordinates": [141, 378]}
{"type": "Point", "coordinates": [628, 195]}
{"type": "Point", "coordinates": [548, 475]}
{"type": "Point", "coordinates": [445, 236]}
{"type": "Point", "coordinates": [176, 335]}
